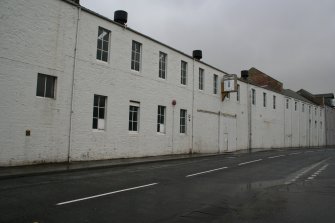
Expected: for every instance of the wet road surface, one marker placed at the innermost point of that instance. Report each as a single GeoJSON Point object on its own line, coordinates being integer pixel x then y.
{"type": "Point", "coordinates": [272, 186]}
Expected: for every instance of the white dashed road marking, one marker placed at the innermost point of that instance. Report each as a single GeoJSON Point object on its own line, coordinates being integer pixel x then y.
{"type": "Point", "coordinates": [253, 161]}
{"type": "Point", "coordinates": [317, 173]}
{"type": "Point", "coordinates": [272, 157]}
{"type": "Point", "coordinates": [105, 194]}
{"type": "Point", "coordinates": [208, 171]}
{"type": "Point", "coordinates": [294, 153]}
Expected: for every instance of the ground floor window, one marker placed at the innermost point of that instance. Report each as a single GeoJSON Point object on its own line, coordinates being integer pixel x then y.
{"type": "Point", "coordinates": [183, 115]}
{"type": "Point", "coordinates": [134, 112]}
{"type": "Point", "coordinates": [161, 119]}
{"type": "Point", "coordinates": [99, 112]}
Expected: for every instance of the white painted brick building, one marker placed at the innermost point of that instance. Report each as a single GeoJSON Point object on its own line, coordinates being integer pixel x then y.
{"type": "Point", "coordinates": [59, 39]}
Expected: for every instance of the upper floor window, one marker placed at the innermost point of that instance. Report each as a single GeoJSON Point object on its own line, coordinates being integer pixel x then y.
{"type": "Point", "coordinates": [103, 44]}
{"type": "Point", "coordinates": [134, 113]}
{"type": "Point", "coordinates": [287, 103]}
{"type": "Point", "coordinates": [161, 119]}
{"type": "Point", "coordinates": [215, 84]}
{"type": "Point", "coordinates": [46, 86]}
{"type": "Point", "coordinates": [303, 108]}
{"type": "Point", "coordinates": [136, 56]}
{"type": "Point", "coordinates": [183, 73]}
{"type": "Point", "coordinates": [253, 96]}
{"type": "Point", "coordinates": [162, 65]}
{"type": "Point", "coordinates": [264, 99]}
{"type": "Point", "coordinates": [201, 79]}
{"type": "Point", "coordinates": [238, 93]}
{"type": "Point", "coordinates": [295, 106]}
{"type": "Point", "coordinates": [274, 101]}
{"type": "Point", "coordinates": [315, 111]}
{"type": "Point", "coordinates": [99, 111]}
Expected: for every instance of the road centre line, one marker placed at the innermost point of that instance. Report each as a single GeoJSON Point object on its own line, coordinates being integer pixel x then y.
{"type": "Point", "coordinates": [208, 171]}
{"type": "Point", "coordinates": [105, 194]}
{"type": "Point", "coordinates": [272, 157]}
{"type": "Point", "coordinates": [253, 161]}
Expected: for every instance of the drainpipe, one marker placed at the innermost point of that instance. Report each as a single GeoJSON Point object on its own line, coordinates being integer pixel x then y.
{"type": "Point", "coordinates": [249, 95]}
{"type": "Point", "coordinates": [72, 85]}
{"type": "Point", "coordinates": [325, 126]}
{"type": "Point", "coordinates": [192, 132]}
{"type": "Point", "coordinates": [219, 121]}
{"type": "Point", "coordinates": [284, 106]}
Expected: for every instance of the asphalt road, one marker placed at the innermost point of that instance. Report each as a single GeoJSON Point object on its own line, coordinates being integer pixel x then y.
{"type": "Point", "coordinates": [273, 186]}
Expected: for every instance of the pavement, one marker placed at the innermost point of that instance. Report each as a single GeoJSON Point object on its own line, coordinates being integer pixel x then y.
{"type": "Point", "coordinates": [48, 168]}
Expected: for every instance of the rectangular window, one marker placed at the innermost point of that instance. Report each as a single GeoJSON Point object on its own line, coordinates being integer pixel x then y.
{"type": "Point", "coordinates": [253, 96]}
{"type": "Point", "coordinates": [238, 93]}
{"type": "Point", "coordinates": [46, 85]}
{"type": "Point", "coordinates": [215, 84]}
{"type": "Point", "coordinates": [295, 106]}
{"type": "Point", "coordinates": [134, 112]}
{"type": "Point", "coordinates": [315, 111]}
{"type": "Point", "coordinates": [201, 79]}
{"type": "Point", "coordinates": [287, 103]}
{"type": "Point", "coordinates": [103, 44]}
{"type": "Point", "coordinates": [303, 108]}
{"type": "Point", "coordinates": [136, 56]}
{"type": "Point", "coordinates": [309, 109]}
{"type": "Point", "coordinates": [161, 119]}
{"type": "Point", "coordinates": [162, 65]}
{"type": "Point", "coordinates": [99, 112]}
{"type": "Point", "coordinates": [264, 99]}
{"type": "Point", "coordinates": [320, 112]}
{"type": "Point", "coordinates": [183, 73]}
{"type": "Point", "coordinates": [274, 101]}
{"type": "Point", "coordinates": [183, 117]}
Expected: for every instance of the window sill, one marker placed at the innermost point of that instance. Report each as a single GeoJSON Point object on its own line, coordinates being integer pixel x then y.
{"type": "Point", "coordinates": [101, 62]}
{"type": "Point", "coordinates": [137, 73]}
{"type": "Point", "coordinates": [46, 98]}
{"type": "Point", "coordinates": [98, 130]}
{"type": "Point", "coordinates": [161, 133]}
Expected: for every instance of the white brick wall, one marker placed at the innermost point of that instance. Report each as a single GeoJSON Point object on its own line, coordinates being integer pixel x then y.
{"type": "Point", "coordinates": [39, 37]}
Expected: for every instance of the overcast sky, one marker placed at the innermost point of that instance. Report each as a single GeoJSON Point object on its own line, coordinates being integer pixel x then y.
{"type": "Point", "coordinates": [290, 40]}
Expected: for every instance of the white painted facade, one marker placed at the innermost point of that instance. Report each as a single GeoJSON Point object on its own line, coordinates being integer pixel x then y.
{"type": "Point", "coordinates": [58, 38]}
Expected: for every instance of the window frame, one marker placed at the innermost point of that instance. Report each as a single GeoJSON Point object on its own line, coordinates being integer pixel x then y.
{"type": "Point", "coordinates": [183, 121]}
{"type": "Point", "coordinates": [201, 79]}
{"type": "Point", "coordinates": [162, 65]}
{"type": "Point", "coordinates": [253, 96]}
{"type": "Point", "coordinates": [97, 105]}
{"type": "Point", "coordinates": [238, 93]}
{"type": "Point", "coordinates": [215, 84]}
{"type": "Point", "coordinates": [161, 119]}
{"type": "Point", "coordinates": [183, 73]}
{"type": "Point", "coordinates": [274, 102]}
{"type": "Point", "coordinates": [136, 53]}
{"type": "Point", "coordinates": [134, 111]}
{"type": "Point", "coordinates": [46, 92]}
{"type": "Point", "coordinates": [264, 99]}
{"type": "Point", "coordinates": [104, 43]}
